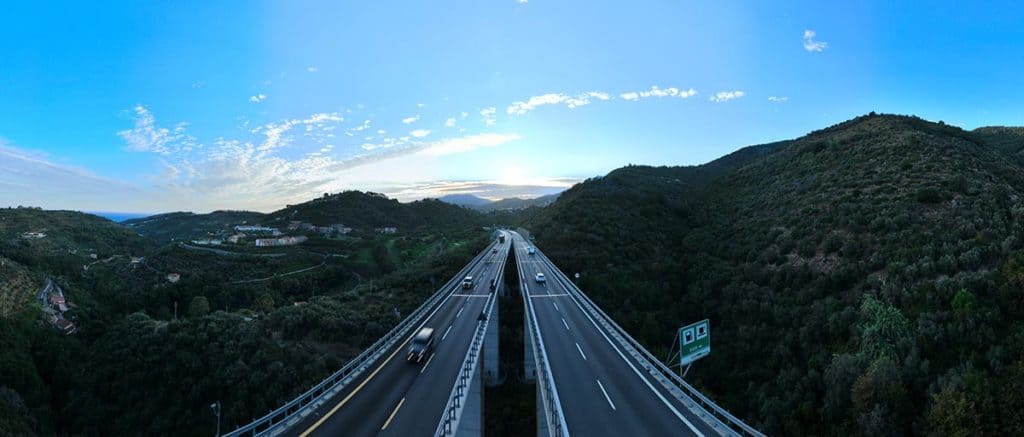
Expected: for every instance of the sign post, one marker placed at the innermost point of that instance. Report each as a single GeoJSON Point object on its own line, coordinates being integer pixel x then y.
{"type": "Point", "coordinates": [694, 342]}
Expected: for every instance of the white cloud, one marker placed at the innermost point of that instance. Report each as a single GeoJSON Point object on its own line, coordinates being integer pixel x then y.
{"type": "Point", "coordinates": [198, 84]}
{"type": "Point", "coordinates": [381, 131]}
{"type": "Point", "coordinates": [520, 108]}
{"type": "Point", "coordinates": [492, 190]}
{"type": "Point", "coordinates": [465, 114]}
{"type": "Point", "coordinates": [522, 2]}
{"type": "Point", "coordinates": [465, 144]}
{"type": "Point", "coordinates": [283, 162]}
{"type": "Point", "coordinates": [258, 98]}
{"type": "Point", "coordinates": [312, 69]}
{"type": "Point", "coordinates": [420, 105]}
{"type": "Point", "coordinates": [777, 99]}
{"type": "Point", "coordinates": [810, 44]}
{"type": "Point", "coordinates": [318, 127]}
{"type": "Point", "coordinates": [409, 120]}
{"type": "Point", "coordinates": [724, 96]}
{"type": "Point", "coordinates": [450, 122]}
{"type": "Point", "coordinates": [655, 91]}
{"type": "Point", "coordinates": [572, 102]}
{"type": "Point", "coordinates": [145, 136]}
{"type": "Point", "coordinates": [488, 115]}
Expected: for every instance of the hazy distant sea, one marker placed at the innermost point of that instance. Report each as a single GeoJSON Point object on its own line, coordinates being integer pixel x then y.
{"type": "Point", "coordinates": [119, 216]}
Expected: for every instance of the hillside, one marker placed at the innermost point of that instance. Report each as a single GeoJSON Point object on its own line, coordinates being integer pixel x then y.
{"type": "Point", "coordinates": [249, 326]}
{"type": "Point", "coordinates": [514, 203]}
{"type": "Point", "coordinates": [363, 211]}
{"type": "Point", "coordinates": [466, 200]}
{"type": "Point", "coordinates": [867, 276]}
{"type": "Point", "coordinates": [18, 285]}
{"type": "Point", "coordinates": [1007, 139]}
{"type": "Point", "coordinates": [186, 225]}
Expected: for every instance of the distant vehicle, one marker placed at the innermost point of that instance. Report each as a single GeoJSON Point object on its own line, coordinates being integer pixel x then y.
{"type": "Point", "coordinates": [501, 238]}
{"type": "Point", "coordinates": [421, 345]}
{"type": "Point", "coordinates": [531, 250]}
{"type": "Point", "coordinates": [540, 278]}
{"type": "Point", "coordinates": [495, 250]}
{"type": "Point", "coordinates": [467, 283]}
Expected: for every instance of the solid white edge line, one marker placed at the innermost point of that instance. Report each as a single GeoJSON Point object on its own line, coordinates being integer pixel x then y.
{"type": "Point", "coordinates": [637, 372]}
{"type": "Point", "coordinates": [606, 397]}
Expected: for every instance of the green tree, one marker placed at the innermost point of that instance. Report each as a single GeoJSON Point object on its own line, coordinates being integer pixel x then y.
{"type": "Point", "coordinates": [199, 307]}
{"type": "Point", "coordinates": [265, 303]}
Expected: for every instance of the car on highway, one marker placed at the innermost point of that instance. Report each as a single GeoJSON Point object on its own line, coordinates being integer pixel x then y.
{"type": "Point", "coordinates": [421, 345]}
{"type": "Point", "coordinates": [531, 250]}
{"type": "Point", "coordinates": [540, 278]}
{"type": "Point", "coordinates": [467, 282]}
{"type": "Point", "coordinates": [495, 250]}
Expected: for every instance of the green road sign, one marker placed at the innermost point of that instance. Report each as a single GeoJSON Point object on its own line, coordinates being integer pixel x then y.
{"type": "Point", "coordinates": [694, 342]}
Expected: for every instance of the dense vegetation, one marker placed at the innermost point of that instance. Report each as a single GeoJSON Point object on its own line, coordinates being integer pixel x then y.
{"type": "Point", "coordinates": [864, 279]}
{"type": "Point", "coordinates": [240, 326]}
{"type": "Point", "coordinates": [364, 212]}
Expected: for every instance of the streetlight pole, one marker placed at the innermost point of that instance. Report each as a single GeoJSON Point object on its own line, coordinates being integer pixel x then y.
{"type": "Point", "coordinates": [216, 412]}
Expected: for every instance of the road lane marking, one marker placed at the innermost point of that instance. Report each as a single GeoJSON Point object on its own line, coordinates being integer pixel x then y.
{"type": "Point", "coordinates": [581, 352]}
{"type": "Point", "coordinates": [460, 311]}
{"type": "Point", "coordinates": [609, 399]}
{"type": "Point", "coordinates": [427, 363]}
{"type": "Point", "coordinates": [446, 332]}
{"type": "Point", "coordinates": [548, 295]}
{"type": "Point", "coordinates": [637, 372]}
{"type": "Point", "coordinates": [566, 324]}
{"type": "Point", "coordinates": [392, 416]}
{"type": "Point", "coordinates": [469, 295]}
{"type": "Point", "coordinates": [353, 393]}
{"type": "Point", "coordinates": [556, 306]}
{"type": "Point", "coordinates": [338, 406]}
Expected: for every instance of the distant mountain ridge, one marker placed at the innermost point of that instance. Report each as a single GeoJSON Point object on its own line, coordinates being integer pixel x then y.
{"type": "Point", "coordinates": [485, 205]}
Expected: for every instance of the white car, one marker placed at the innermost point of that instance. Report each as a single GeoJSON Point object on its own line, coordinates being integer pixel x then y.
{"type": "Point", "coordinates": [531, 250]}
{"type": "Point", "coordinates": [540, 277]}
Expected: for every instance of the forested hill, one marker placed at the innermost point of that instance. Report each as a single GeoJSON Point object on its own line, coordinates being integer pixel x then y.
{"type": "Point", "coordinates": [864, 279]}
{"type": "Point", "coordinates": [363, 211]}
{"type": "Point", "coordinates": [185, 225]}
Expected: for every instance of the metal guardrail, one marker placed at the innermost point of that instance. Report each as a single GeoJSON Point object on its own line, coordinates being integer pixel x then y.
{"type": "Point", "coordinates": [456, 400]}
{"type": "Point", "coordinates": [708, 410]}
{"type": "Point", "coordinates": [279, 420]}
{"type": "Point", "coordinates": [553, 413]}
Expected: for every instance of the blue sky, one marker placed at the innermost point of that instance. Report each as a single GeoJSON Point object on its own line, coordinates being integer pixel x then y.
{"type": "Point", "coordinates": [156, 106]}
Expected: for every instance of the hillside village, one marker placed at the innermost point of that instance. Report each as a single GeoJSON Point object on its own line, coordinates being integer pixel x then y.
{"type": "Point", "coordinates": [267, 236]}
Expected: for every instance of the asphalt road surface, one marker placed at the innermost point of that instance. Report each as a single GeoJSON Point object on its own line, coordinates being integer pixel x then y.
{"type": "Point", "coordinates": [401, 398]}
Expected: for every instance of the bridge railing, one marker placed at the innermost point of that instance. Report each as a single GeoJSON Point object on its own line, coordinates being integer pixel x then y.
{"type": "Point", "coordinates": [289, 414]}
{"type": "Point", "coordinates": [714, 415]}
{"type": "Point", "coordinates": [457, 399]}
{"type": "Point", "coordinates": [553, 413]}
